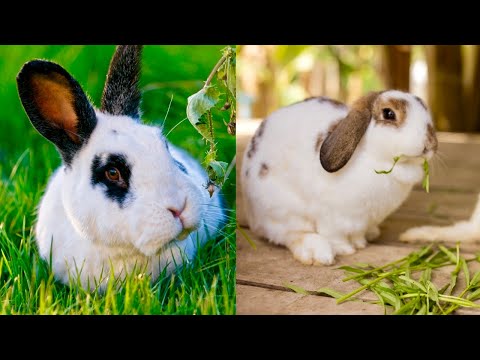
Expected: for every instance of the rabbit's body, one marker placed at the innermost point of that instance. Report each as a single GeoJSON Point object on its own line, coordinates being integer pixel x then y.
{"type": "Point", "coordinates": [124, 197]}
{"type": "Point", "coordinates": [91, 241]}
{"type": "Point", "coordinates": [292, 200]}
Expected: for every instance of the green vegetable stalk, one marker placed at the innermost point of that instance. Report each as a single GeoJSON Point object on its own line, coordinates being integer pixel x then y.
{"type": "Point", "coordinates": [426, 172]}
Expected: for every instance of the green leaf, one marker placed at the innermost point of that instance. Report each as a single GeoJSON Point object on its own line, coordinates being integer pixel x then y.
{"type": "Point", "coordinates": [458, 301]}
{"type": "Point", "coordinates": [231, 76]}
{"type": "Point", "coordinates": [363, 265]}
{"type": "Point", "coordinates": [426, 275]}
{"type": "Point", "coordinates": [296, 288]}
{"type": "Point", "coordinates": [330, 292]}
{"type": "Point", "coordinates": [197, 106]}
{"type": "Point", "coordinates": [382, 301]}
{"type": "Point", "coordinates": [227, 71]}
{"type": "Point", "coordinates": [413, 282]}
{"type": "Point", "coordinates": [475, 279]}
{"type": "Point", "coordinates": [351, 269]}
{"type": "Point", "coordinates": [466, 272]}
{"type": "Point", "coordinates": [443, 289]}
{"type": "Point", "coordinates": [432, 291]}
{"type": "Point", "coordinates": [423, 310]}
{"type": "Point", "coordinates": [426, 176]}
{"type": "Point", "coordinates": [389, 296]}
{"type": "Point", "coordinates": [217, 170]}
{"type": "Point", "coordinates": [474, 295]}
{"type": "Point", "coordinates": [447, 252]}
{"type": "Point", "coordinates": [245, 235]}
{"type": "Point", "coordinates": [395, 160]}
{"type": "Point", "coordinates": [408, 307]}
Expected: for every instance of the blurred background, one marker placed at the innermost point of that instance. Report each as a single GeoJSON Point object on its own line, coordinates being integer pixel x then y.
{"type": "Point", "coordinates": [447, 77]}
{"type": "Point", "coordinates": [169, 75]}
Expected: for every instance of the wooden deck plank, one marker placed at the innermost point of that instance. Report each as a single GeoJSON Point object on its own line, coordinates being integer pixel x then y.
{"type": "Point", "coordinates": [260, 268]}
{"type": "Point", "coordinates": [262, 273]}
{"type": "Point", "coordinates": [260, 301]}
{"type": "Point", "coordinates": [261, 265]}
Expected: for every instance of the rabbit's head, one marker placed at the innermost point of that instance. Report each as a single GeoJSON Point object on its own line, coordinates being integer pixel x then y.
{"type": "Point", "coordinates": [121, 182]}
{"type": "Point", "coordinates": [392, 123]}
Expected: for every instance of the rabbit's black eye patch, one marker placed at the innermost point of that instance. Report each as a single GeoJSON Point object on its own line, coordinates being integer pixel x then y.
{"type": "Point", "coordinates": [102, 167]}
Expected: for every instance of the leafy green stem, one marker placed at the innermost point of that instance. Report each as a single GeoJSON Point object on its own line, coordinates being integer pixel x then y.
{"type": "Point", "coordinates": [215, 69]}
{"type": "Point", "coordinates": [395, 160]}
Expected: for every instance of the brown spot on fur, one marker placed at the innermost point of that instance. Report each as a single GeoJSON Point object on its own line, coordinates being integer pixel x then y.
{"type": "Point", "coordinates": [263, 170]}
{"type": "Point", "coordinates": [432, 142]}
{"type": "Point", "coordinates": [399, 107]}
{"type": "Point", "coordinates": [255, 139]}
{"type": "Point", "coordinates": [247, 172]}
{"type": "Point", "coordinates": [345, 135]}
{"type": "Point", "coordinates": [421, 102]}
{"type": "Point", "coordinates": [54, 99]}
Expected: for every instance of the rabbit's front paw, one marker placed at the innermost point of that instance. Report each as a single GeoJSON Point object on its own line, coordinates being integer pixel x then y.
{"type": "Point", "coordinates": [312, 249]}
{"type": "Point", "coordinates": [373, 233]}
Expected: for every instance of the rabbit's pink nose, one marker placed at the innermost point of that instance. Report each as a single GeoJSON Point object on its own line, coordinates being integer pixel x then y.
{"type": "Point", "coordinates": [176, 213]}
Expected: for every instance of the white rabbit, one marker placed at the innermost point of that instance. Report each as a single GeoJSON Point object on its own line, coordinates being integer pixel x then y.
{"type": "Point", "coordinates": [464, 231]}
{"type": "Point", "coordinates": [309, 177]}
{"type": "Point", "coordinates": [123, 197]}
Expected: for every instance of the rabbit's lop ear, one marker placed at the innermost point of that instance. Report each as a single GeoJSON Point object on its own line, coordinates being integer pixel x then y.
{"type": "Point", "coordinates": [121, 95]}
{"type": "Point", "coordinates": [56, 105]}
{"type": "Point", "coordinates": [340, 144]}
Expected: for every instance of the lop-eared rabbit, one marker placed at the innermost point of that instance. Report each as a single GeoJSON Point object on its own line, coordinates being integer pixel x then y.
{"type": "Point", "coordinates": [309, 177]}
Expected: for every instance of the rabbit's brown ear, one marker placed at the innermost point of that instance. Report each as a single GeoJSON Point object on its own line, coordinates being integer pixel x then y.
{"type": "Point", "coordinates": [56, 106]}
{"type": "Point", "coordinates": [121, 95]}
{"type": "Point", "coordinates": [340, 144]}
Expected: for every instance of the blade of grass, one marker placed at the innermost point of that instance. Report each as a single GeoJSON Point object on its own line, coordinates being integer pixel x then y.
{"type": "Point", "coordinates": [296, 288]}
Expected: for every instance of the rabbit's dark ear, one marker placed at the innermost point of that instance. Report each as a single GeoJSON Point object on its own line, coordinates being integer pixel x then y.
{"type": "Point", "coordinates": [340, 144]}
{"type": "Point", "coordinates": [121, 95]}
{"type": "Point", "coordinates": [56, 105]}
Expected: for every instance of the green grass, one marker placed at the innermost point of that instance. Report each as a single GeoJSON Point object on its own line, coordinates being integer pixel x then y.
{"type": "Point", "coordinates": [27, 286]}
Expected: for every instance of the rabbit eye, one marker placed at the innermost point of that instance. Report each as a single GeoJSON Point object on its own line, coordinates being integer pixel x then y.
{"type": "Point", "coordinates": [113, 174]}
{"type": "Point", "coordinates": [388, 114]}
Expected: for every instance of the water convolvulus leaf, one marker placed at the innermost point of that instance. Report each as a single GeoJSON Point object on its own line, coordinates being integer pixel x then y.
{"type": "Point", "coordinates": [395, 160]}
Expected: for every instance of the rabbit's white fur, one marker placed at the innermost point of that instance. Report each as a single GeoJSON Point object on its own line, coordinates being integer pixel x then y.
{"type": "Point", "coordinates": [464, 231]}
{"type": "Point", "coordinates": [291, 200]}
{"type": "Point", "coordinates": [123, 198]}
{"type": "Point", "coordinates": [87, 233]}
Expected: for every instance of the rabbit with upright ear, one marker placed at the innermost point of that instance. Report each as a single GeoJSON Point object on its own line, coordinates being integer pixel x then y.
{"type": "Point", "coordinates": [124, 197]}
{"type": "Point", "coordinates": [308, 173]}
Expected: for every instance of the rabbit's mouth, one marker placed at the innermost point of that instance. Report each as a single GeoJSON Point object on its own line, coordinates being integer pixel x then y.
{"type": "Point", "coordinates": [415, 159]}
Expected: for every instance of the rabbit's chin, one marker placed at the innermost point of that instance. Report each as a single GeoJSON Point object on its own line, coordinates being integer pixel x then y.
{"type": "Point", "coordinates": [184, 234]}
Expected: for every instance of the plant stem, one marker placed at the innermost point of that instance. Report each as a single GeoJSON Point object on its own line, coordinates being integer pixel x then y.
{"type": "Point", "coordinates": [245, 235]}
{"type": "Point", "coordinates": [210, 127]}
{"type": "Point", "coordinates": [419, 254]}
{"type": "Point", "coordinates": [230, 167]}
{"type": "Point", "coordinates": [214, 71]}
{"type": "Point", "coordinates": [354, 277]}
{"type": "Point", "coordinates": [361, 288]}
